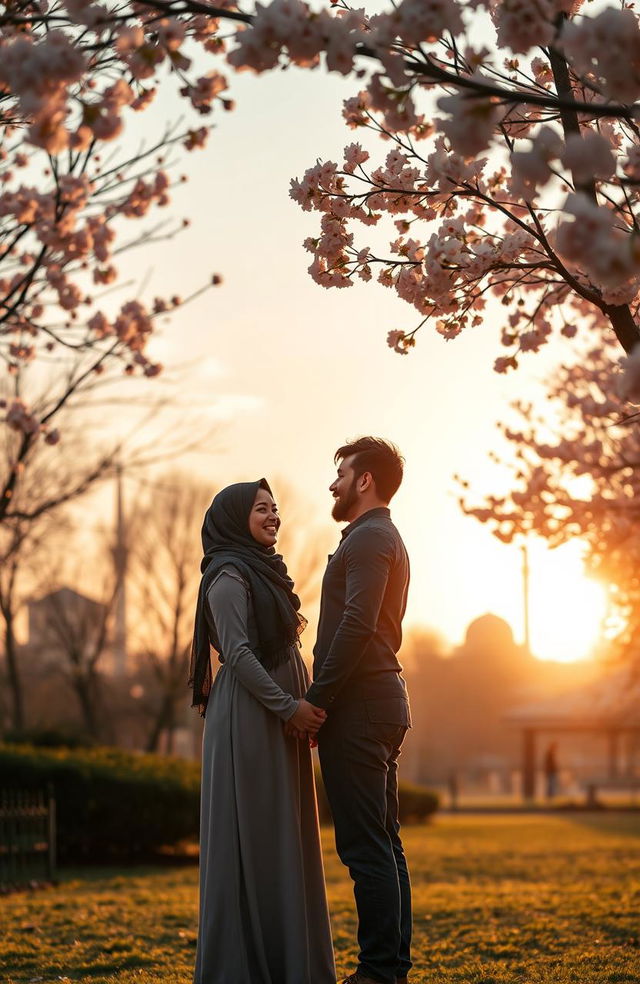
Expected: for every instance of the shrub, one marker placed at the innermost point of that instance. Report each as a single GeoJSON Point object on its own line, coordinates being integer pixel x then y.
{"type": "Point", "coordinates": [111, 804]}
{"type": "Point", "coordinates": [417, 803]}
{"type": "Point", "coordinates": [50, 738]}
{"type": "Point", "coordinates": [116, 805]}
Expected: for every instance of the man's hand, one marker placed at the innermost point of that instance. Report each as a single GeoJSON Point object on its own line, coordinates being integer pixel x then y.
{"type": "Point", "coordinates": [307, 718]}
{"type": "Point", "coordinates": [292, 732]}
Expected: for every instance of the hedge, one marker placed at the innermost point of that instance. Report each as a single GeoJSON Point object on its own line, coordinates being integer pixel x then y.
{"type": "Point", "coordinates": [117, 805]}
{"type": "Point", "coordinates": [110, 804]}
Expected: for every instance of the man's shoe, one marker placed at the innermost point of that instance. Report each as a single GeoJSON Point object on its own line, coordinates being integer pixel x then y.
{"type": "Point", "coordinates": [358, 978]}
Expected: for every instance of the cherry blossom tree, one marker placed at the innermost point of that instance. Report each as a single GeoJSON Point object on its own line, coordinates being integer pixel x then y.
{"type": "Point", "coordinates": [514, 180]}
{"type": "Point", "coordinates": [574, 471]}
{"type": "Point", "coordinates": [68, 198]}
{"type": "Point", "coordinates": [512, 166]}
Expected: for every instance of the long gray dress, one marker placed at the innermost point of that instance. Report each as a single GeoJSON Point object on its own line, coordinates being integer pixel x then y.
{"type": "Point", "coordinates": [263, 908]}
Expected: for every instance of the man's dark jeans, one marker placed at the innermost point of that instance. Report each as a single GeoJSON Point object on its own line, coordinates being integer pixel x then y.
{"type": "Point", "coordinates": [359, 745]}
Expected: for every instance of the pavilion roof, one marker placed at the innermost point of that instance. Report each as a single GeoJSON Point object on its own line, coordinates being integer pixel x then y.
{"type": "Point", "coordinates": [612, 701]}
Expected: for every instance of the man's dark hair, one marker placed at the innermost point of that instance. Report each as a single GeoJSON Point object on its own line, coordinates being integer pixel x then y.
{"type": "Point", "coordinates": [381, 458]}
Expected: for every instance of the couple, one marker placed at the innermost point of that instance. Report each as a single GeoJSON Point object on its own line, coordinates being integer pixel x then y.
{"type": "Point", "coordinates": [263, 908]}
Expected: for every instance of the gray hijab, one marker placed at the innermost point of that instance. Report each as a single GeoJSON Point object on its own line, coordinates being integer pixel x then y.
{"type": "Point", "coordinates": [226, 540]}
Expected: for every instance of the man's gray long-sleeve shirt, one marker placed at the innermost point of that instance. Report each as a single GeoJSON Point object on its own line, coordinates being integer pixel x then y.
{"type": "Point", "coordinates": [364, 596]}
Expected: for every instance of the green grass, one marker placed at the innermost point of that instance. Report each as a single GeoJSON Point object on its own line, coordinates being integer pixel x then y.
{"type": "Point", "coordinates": [498, 900]}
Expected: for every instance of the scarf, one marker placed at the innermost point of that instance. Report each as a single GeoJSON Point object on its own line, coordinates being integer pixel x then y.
{"type": "Point", "coordinates": [226, 540]}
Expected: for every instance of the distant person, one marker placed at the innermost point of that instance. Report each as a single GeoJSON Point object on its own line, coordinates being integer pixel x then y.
{"type": "Point", "coordinates": [357, 682]}
{"type": "Point", "coordinates": [551, 770]}
{"type": "Point", "coordinates": [454, 788]}
{"type": "Point", "coordinates": [263, 910]}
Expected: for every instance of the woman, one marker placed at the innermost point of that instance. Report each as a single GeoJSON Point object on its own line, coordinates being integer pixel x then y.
{"type": "Point", "coordinates": [263, 910]}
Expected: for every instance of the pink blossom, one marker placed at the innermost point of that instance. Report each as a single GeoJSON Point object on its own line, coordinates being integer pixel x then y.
{"type": "Point", "coordinates": [531, 168]}
{"type": "Point", "coordinates": [82, 138]}
{"type": "Point", "coordinates": [340, 46]}
{"type": "Point", "coordinates": [133, 325]}
{"type": "Point", "coordinates": [446, 169]}
{"type": "Point", "coordinates": [471, 122]}
{"type": "Point", "coordinates": [19, 418]}
{"type": "Point", "coordinates": [171, 33]}
{"type": "Point", "coordinates": [523, 24]}
{"type": "Point", "coordinates": [504, 363]}
{"type": "Point", "coordinates": [143, 62]}
{"type": "Point", "coordinates": [606, 47]}
{"type": "Point", "coordinates": [354, 110]}
{"type": "Point", "coordinates": [196, 138]}
{"type": "Point", "coordinates": [99, 325]}
{"type": "Point", "coordinates": [206, 89]}
{"type": "Point", "coordinates": [415, 21]}
{"type": "Point", "coordinates": [144, 98]}
{"type": "Point", "coordinates": [129, 39]}
{"type": "Point", "coordinates": [23, 352]}
{"type": "Point", "coordinates": [397, 107]}
{"type": "Point", "coordinates": [53, 436]}
{"type": "Point", "coordinates": [353, 156]}
{"type": "Point", "coordinates": [289, 26]}
{"type": "Point", "coordinates": [398, 341]}
{"type": "Point", "coordinates": [588, 155]}
{"type": "Point", "coordinates": [593, 243]}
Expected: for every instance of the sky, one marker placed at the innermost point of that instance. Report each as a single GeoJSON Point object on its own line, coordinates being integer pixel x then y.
{"type": "Point", "coordinates": [288, 370]}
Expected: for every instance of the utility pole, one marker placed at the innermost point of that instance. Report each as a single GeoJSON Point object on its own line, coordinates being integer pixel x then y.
{"type": "Point", "coordinates": [120, 555]}
{"type": "Point", "coordinates": [525, 596]}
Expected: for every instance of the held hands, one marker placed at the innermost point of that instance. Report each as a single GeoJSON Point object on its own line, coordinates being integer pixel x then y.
{"type": "Point", "coordinates": [306, 722]}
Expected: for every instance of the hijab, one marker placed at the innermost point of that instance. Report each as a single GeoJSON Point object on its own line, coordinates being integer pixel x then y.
{"type": "Point", "coordinates": [226, 540]}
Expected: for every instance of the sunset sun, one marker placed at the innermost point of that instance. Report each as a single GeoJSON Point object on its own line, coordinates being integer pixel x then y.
{"type": "Point", "coordinates": [566, 608]}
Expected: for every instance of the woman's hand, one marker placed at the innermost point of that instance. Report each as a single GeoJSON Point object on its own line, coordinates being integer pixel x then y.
{"type": "Point", "coordinates": [308, 718]}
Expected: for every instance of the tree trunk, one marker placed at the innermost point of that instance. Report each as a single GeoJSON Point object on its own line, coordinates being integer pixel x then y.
{"type": "Point", "coordinates": [163, 720]}
{"type": "Point", "coordinates": [624, 325]}
{"type": "Point", "coordinates": [171, 728]}
{"type": "Point", "coordinates": [619, 315]}
{"type": "Point", "coordinates": [84, 688]}
{"type": "Point", "coordinates": [13, 671]}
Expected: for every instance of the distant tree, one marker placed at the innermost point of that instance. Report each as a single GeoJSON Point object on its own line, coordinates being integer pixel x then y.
{"type": "Point", "coordinates": [73, 630]}
{"type": "Point", "coordinates": [165, 551]}
{"type": "Point", "coordinates": [37, 539]}
{"type": "Point", "coordinates": [23, 547]}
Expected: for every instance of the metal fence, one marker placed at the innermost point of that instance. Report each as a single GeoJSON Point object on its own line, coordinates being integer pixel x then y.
{"type": "Point", "coordinates": [27, 838]}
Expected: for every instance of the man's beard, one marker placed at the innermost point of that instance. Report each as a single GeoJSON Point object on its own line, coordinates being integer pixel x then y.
{"type": "Point", "coordinates": [343, 505]}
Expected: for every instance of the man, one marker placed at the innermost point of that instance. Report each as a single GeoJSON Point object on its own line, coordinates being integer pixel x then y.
{"type": "Point", "coordinates": [357, 681]}
{"type": "Point", "coordinates": [551, 770]}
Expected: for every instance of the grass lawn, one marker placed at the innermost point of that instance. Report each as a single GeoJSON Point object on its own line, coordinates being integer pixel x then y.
{"type": "Point", "coordinates": [498, 900]}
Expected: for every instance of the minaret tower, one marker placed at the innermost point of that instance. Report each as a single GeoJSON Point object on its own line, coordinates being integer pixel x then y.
{"type": "Point", "coordinates": [120, 552]}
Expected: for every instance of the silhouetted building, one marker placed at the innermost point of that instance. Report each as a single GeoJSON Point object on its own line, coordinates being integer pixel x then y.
{"type": "Point", "coordinates": [460, 702]}
{"type": "Point", "coordinates": [63, 615]}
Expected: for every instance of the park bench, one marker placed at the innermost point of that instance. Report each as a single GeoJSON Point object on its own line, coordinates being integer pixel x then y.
{"type": "Point", "coordinates": [27, 838]}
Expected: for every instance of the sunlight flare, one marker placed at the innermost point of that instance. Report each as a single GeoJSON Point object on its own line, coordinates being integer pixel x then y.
{"type": "Point", "coordinates": [566, 607]}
